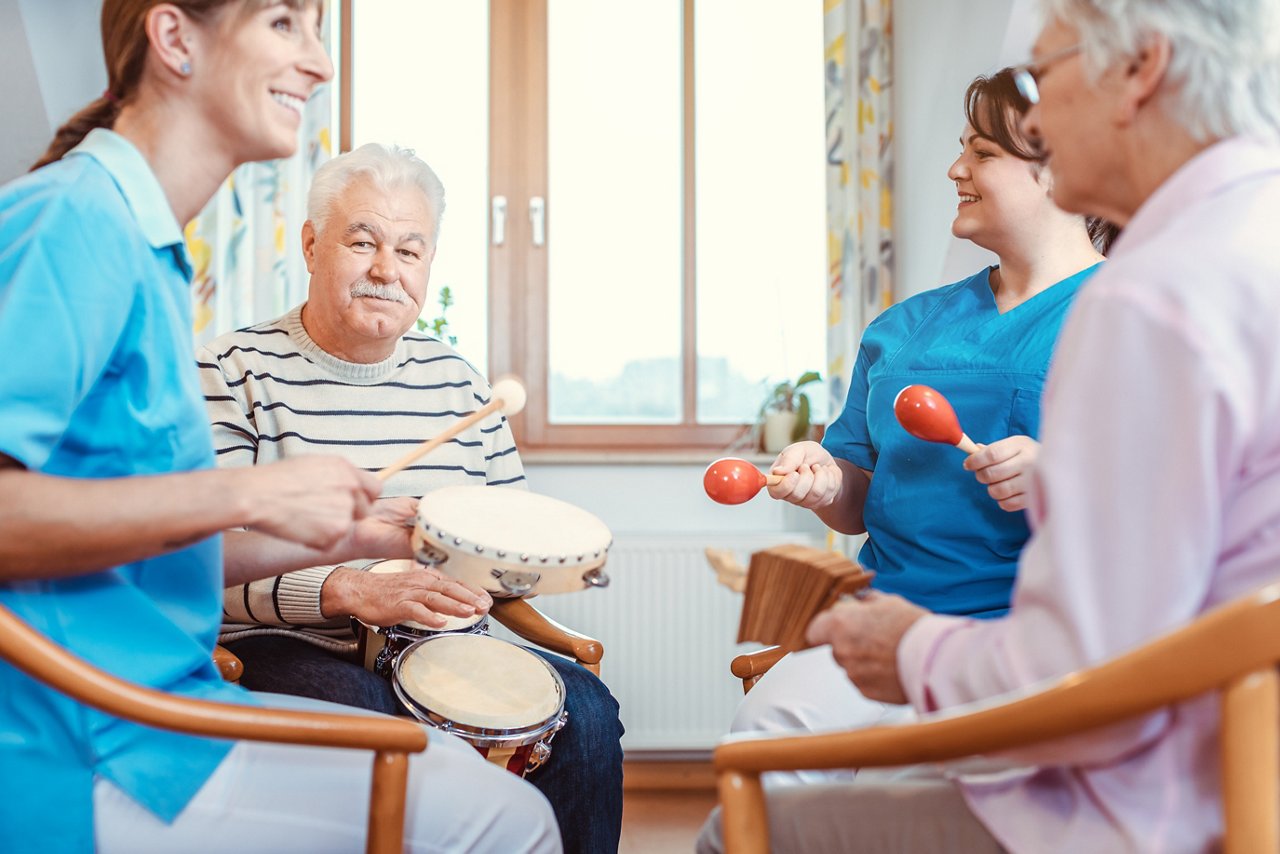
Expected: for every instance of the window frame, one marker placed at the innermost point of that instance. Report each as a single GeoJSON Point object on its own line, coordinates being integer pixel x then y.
{"type": "Point", "coordinates": [518, 276]}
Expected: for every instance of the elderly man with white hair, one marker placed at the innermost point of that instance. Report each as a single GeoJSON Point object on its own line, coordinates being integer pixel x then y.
{"type": "Point", "coordinates": [346, 373]}
{"type": "Point", "coordinates": [1157, 491]}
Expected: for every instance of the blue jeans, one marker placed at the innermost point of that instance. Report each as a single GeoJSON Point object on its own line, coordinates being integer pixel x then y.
{"type": "Point", "coordinates": [583, 779]}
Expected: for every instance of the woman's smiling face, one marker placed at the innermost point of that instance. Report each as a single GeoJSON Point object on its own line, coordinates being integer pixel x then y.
{"type": "Point", "coordinates": [256, 72]}
{"type": "Point", "coordinates": [998, 191]}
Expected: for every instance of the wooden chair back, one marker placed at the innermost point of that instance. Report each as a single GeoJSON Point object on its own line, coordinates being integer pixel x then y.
{"type": "Point", "coordinates": [390, 739]}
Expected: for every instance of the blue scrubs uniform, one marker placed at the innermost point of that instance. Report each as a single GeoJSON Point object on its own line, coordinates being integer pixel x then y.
{"type": "Point", "coordinates": [95, 336]}
{"type": "Point", "coordinates": [934, 534]}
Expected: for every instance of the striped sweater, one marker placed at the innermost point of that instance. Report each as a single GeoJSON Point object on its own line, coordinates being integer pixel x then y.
{"type": "Point", "coordinates": [273, 393]}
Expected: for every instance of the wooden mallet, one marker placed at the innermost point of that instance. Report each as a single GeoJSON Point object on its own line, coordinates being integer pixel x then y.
{"type": "Point", "coordinates": [508, 396]}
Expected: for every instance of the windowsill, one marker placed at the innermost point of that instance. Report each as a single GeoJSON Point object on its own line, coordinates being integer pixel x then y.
{"type": "Point", "coordinates": [673, 456]}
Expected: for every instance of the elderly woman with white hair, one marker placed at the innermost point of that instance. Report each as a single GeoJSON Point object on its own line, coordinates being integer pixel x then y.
{"type": "Point", "coordinates": [1155, 493]}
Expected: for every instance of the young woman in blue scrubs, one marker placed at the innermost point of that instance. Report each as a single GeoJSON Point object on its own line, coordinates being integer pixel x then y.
{"type": "Point", "coordinates": [110, 505]}
{"type": "Point", "coordinates": [942, 530]}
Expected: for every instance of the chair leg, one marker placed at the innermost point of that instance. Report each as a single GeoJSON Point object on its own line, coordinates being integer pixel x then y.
{"type": "Point", "coordinates": [1251, 763]}
{"type": "Point", "coordinates": [386, 803]}
{"type": "Point", "coordinates": [742, 814]}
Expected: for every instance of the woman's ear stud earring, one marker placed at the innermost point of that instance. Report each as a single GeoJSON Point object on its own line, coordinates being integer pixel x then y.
{"type": "Point", "coordinates": [185, 69]}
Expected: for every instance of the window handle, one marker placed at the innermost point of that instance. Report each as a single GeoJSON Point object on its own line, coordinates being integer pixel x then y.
{"type": "Point", "coordinates": [499, 211]}
{"type": "Point", "coordinates": [538, 219]}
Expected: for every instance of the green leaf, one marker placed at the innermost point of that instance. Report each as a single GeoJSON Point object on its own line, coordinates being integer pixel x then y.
{"type": "Point", "coordinates": [808, 377]}
{"type": "Point", "coordinates": [801, 430]}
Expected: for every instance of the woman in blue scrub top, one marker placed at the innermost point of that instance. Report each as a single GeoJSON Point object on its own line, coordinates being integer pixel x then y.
{"type": "Point", "coordinates": [943, 530]}
{"type": "Point", "coordinates": [111, 507]}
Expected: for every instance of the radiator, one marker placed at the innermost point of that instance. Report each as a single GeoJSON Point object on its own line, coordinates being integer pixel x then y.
{"type": "Point", "coordinates": [668, 629]}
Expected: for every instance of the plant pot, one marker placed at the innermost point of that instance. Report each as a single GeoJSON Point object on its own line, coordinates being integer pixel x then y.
{"type": "Point", "coordinates": [778, 426]}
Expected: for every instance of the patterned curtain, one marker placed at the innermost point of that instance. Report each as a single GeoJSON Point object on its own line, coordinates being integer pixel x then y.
{"type": "Point", "coordinates": [245, 244]}
{"type": "Point", "coordinates": [859, 48]}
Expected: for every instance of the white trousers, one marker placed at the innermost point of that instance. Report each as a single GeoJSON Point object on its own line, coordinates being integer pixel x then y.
{"type": "Point", "coordinates": [912, 809]}
{"type": "Point", "coordinates": [276, 798]}
{"type": "Point", "coordinates": [808, 691]}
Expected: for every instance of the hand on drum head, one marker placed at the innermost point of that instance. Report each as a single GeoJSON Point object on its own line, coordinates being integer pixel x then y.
{"type": "Point", "coordinates": [811, 478]}
{"type": "Point", "coordinates": [312, 500]}
{"type": "Point", "coordinates": [421, 595]}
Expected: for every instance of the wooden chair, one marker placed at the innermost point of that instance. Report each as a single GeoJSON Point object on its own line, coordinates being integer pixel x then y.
{"type": "Point", "coordinates": [750, 666]}
{"type": "Point", "coordinates": [1232, 650]}
{"type": "Point", "coordinates": [534, 626]}
{"type": "Point", "coordinates": [228, 664]}
{"type": "Point", "coordinates": [391, 739]}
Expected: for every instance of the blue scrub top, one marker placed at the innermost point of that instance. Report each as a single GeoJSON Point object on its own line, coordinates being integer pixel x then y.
{"type": "Point", "coordinates": [934, 534]}
{"type": "Point", "coordinates": [95, 334]}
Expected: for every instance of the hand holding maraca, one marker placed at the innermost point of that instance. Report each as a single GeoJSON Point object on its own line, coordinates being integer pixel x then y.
{"type": "Point", "coordinates": [816, 482]}
{"type": "Point", "coordinates": [810, 476]}
{"type": "Point", "coordinates": [1005, 468]}
{"type": "Point", "coordinates": [731, 480]}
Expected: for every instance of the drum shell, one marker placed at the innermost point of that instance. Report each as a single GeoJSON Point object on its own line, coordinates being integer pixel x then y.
{"type": "Point", "coordinates": [510, 542]}
{"type": "Point", "coordinates": [551, 574]}
{"type": "Point", "coordinates": [378, 647]}
{"type": "Point", "coordinates": [518, 749]}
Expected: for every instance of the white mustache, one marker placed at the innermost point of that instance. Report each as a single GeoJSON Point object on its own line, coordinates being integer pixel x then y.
{"type": "Point", "coordinates": [366, 288]}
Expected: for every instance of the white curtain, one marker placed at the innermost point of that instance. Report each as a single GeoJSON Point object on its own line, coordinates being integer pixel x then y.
{"type": "Point", "coordinates": [859, 47]}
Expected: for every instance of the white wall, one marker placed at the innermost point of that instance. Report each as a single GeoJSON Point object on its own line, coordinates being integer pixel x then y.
{"type": "Point", "coordinates": [51, 65]}
{"type": "Point", "coordinates": [25, 124]}
{"type": "Point", "coordinates": [66, 48]}
{"type": "Point", "coordinates": [939, 47]}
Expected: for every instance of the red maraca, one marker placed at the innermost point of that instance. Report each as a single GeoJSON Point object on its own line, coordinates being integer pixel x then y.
{"type": "Point", "coordinates": [925, 414]}
{"type": "Point", "coordinates": [733, 481]}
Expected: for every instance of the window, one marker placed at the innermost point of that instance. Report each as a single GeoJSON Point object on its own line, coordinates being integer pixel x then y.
{"type": "Point", "coordinates": [635, 215]}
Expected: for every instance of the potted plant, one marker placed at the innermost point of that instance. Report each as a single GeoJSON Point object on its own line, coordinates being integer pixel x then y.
{"type": "Point", "coordinates": [440, 326]}
{"type": "Point", "coordinates": [784, 415]}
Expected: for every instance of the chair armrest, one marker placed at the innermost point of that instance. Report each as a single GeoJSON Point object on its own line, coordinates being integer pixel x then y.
{"type": "Point", "coordinates": [1233, 649]}
{"type": "Point", "coordinates": [44, 660]}
{"type": "Point", "coordinates": [228, 664]}
{"type": "Point", "coordinates": [750, 666]}
{"type": "Point", "coordinates": [532, 625]}
{"type": "Point", "coordinates": [1225, 645]}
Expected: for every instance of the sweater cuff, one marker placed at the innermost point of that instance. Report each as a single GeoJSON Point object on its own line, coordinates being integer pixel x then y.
{"type": "Point", "coordinates": [299, 595]}
{"type": "Point", "coordinates": [915, 657]}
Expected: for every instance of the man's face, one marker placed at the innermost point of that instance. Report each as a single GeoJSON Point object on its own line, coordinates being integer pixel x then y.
{"type": "Point", "coordinates": [1072, 121]}
{"type": "Point", "coordinates": [369, 267]}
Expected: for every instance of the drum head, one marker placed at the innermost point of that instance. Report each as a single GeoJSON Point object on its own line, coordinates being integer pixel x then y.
{"type": "Point", "coordinates": [480, 681]}
{"type": "Point", "coordinates": [515, 521]}
{"type": "Point", "coordinates": [451, 624]}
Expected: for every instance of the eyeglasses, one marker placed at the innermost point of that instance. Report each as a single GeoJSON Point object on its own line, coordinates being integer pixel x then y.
{"type": "Point", "coordinates": [1027, 77]}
